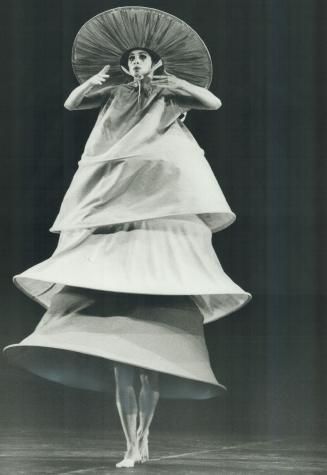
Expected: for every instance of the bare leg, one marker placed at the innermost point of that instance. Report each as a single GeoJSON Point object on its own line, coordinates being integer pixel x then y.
{"type": "Point", "coordinates": [148, 399]}
{"type": "Point", "coordinates": [127, 409]}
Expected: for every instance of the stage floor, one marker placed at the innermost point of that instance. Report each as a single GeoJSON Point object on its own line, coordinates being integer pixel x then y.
{"type": "Point", "coordinates": [96, 453]}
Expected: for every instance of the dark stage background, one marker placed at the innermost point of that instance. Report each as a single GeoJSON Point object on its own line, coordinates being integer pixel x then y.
{"type": "Point", "coordinates": [267, 147]}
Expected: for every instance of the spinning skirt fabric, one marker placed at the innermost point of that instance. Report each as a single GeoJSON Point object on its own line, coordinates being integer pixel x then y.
{"type": "Point", "coordinates": [163, 256]}
{"type": "Point", "coordinates": [137, 293]}
{"type": "Point", "coordinates": [84, 332]}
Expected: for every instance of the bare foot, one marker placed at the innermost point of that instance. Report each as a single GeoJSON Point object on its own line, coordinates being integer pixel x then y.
{"type": "Point", "coordinates": [131, 457]}
{"type": "Point", "coordinates": [143, 445]}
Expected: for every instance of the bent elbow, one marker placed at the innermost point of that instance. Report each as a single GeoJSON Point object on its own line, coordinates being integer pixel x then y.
{"type": "Point", "coordinates": [70, 104]}
{"type": "Point", "coordinates": [215, 104]}
{"type": "Point", "coordinates": [218, 104]}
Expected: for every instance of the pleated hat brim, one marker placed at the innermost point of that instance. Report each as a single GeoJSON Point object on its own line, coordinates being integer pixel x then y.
{"type": "Point", "coordinates": [104, 38]}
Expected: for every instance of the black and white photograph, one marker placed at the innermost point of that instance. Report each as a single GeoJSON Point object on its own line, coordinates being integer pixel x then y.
{"type": "Point", "coordinates": [164, 232]}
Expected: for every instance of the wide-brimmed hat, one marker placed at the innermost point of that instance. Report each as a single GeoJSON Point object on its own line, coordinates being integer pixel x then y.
{"type": "Point", "coordinates": [106, 37]}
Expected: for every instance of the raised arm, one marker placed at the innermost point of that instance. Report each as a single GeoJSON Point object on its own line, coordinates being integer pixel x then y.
{"type": "Point", "coordinates": [203, 99]}
{"type": "Point", "coordinates": [87, 95]}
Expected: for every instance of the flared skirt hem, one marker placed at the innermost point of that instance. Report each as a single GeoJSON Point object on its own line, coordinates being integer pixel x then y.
{"type": "Point", "coordinates": [167, 256]}
{"type": "Point", "coordinates": [84, 333]}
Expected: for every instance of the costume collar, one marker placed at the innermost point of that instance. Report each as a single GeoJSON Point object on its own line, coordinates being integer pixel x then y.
{"type": "Point", "coordinates": [143, 83]}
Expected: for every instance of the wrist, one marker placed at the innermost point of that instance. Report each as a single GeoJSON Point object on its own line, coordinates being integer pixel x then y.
{"type": "Point", "coordinates": [183, 85]}
{"type": "Point", "coordinates": [88, 87]}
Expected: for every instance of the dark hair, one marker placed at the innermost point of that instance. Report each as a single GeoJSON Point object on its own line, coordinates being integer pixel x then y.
{"type": "Point", "coordinates": [154, 56]}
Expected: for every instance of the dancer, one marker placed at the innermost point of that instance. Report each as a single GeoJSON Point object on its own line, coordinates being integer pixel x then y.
{"type": "Point", "coordinates": [134, 276]}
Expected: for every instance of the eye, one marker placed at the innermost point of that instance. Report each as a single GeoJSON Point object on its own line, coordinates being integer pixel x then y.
{"type": "Point", "coordinates": [143, 56]}
{"type": "Point", "coordinates": [131, 58]}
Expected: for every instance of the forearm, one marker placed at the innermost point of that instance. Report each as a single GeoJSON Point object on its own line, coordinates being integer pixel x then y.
{"type": "Point", "coordinates": [205, 97]}
{"type": "Point", "coordinates": [76, 97]}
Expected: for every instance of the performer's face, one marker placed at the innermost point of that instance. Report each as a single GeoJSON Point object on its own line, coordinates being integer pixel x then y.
{"type": "Point", "coordinates": [139, 62]}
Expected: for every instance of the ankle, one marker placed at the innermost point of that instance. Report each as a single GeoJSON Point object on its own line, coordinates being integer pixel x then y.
{"type": "Point", "coordinates": [132, 447]}
{"type": "Point", "coordinates": [142, 433]}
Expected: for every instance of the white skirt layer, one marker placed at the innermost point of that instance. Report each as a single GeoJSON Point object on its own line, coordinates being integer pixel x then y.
{"type": "Point", "coordinates": [176, 181]}
{"type": "Point", "coordinates": [84, 333]}
{"type": "Point", "coordinates": [162, 256]}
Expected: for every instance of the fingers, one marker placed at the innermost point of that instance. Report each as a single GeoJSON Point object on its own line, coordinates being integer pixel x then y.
{"type": "Point", "coordinates": [166, 75]}
{"type": "Point", "coordinates": [103, 73]}
{"type": "Point", "coordinates": [160, 82]}
{"type": "Point", "coordinates": [105, 69]}
{"type": "Point", "coordinates": [101, 76]}
{"type": "Point", "coordinates": [98, 80]}
{"type": "Point", "coordinates": [163, 80]}
{"type": "Point", "coordinates": [160, 79]}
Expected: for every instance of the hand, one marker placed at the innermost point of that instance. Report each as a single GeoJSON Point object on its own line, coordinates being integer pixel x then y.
{"type": "Point", "coordinates": [100, 77]}
{"type": "Point", "coordinates": [168, 81]}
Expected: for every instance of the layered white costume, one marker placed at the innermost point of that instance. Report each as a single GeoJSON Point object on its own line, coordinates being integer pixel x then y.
{"type": "Point", "coordinates": [134, 276]}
